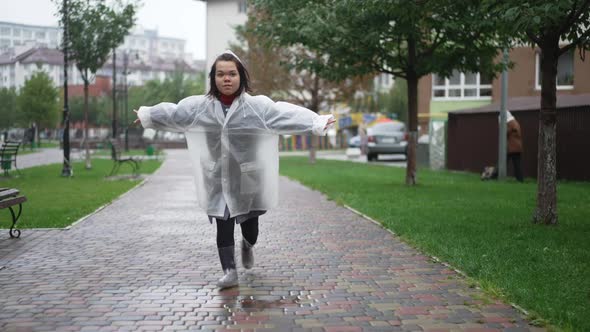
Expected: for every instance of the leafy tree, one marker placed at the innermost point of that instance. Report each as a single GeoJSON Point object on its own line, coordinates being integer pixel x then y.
{"type": "Point", "coordinates": [98, 107]}
{"type": "Point", "coordinates": [397, 101]}
{"type": "Point", "coordinates": [8, 113]}
{"type": "Point", "coordinates": [393, 103]}
{"type": "Point", "coordinates": [272, 74]}
{"type": "Point", "coordinates": [38, 102]}
{"type": "Point", "coordinates": [94, 29]}
{"type": "Point", "coordinates": [555, 27]}
{"type": "Point", "coordinates": [409, 39]}
{"type": "Point", "coordinates": [173, 89]}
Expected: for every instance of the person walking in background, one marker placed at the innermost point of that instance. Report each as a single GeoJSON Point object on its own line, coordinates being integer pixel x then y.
{"type": "Point", "coordinates": [232, 139]}
{"type": "Point", "coordinates": [514, 142]}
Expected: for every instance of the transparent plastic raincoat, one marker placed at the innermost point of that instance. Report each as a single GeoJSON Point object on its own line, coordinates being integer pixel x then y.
{"type": "Point", "coordinates": [235, 157]}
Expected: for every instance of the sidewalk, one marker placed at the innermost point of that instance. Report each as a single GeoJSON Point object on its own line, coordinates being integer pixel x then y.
{"type": "Point", "coordinates": [44, 157]}
{"type": "Point", "coordinates": [149, 262]}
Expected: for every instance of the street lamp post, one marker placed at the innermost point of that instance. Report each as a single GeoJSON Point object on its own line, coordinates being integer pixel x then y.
{"type": "Point", "coordinates": [114, 123]}
{"type": "Point", "coordinates": [125, 106]}
{"type": "Point", "coordinates": [67, 169]}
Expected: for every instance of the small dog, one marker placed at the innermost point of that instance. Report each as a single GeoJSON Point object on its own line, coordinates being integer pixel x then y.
{"type": "Point", "coordinates": [489, 173]}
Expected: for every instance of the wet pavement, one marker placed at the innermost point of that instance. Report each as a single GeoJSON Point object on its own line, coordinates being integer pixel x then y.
{"type": "Point", "coordinates": [148, 262]}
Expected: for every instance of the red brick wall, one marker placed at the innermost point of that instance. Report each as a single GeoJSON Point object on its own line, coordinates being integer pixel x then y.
{"type": "Point", "coordinates": [101, 87]}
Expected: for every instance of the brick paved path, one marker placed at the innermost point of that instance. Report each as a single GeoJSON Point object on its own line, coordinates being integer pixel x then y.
{"type": "Point", "coordinates": [148, 262]}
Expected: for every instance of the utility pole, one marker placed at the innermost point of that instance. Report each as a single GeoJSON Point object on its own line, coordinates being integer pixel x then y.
{"type": "Point", "coordinates": [502, 121]}
{"type": "Point", "coordinates": [67, 169]}
{"type": "Point", "coordinates": [114, 93]}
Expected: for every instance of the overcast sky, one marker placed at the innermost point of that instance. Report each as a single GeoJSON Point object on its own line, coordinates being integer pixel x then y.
{"type": "Point", "coordinates": [183, 19]}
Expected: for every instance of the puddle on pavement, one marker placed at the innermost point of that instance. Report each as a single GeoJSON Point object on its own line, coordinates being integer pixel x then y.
{"type": "Point", "coordinates": [284, 303]}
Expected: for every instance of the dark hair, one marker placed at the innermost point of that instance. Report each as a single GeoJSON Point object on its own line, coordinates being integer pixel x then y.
{"type": "Point", "coordinates": [244, 76]}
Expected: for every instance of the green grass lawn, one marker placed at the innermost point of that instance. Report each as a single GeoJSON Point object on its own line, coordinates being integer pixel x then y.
{"type": "Point", "coordinates": [54, 201]}
{"type": "Point", "coordinates": [481, 228]}
{"type": "Point", "coordinates": [131, 152]}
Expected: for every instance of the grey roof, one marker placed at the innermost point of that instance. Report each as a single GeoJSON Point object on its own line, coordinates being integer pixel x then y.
{"type": "Point", "coordinates": [531, 103]}
{"type": "Point", "coordinates": [46, 55]}
{"type": "Point", "coordinates": [34, 55]}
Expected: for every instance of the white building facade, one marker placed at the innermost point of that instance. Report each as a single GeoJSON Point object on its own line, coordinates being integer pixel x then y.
{"type": "Point", "coordinates": [147, 43]}
{"type": "Point", "coordinates": [14, 34]}
{"type": "Point", "coordinates": [222, 18]}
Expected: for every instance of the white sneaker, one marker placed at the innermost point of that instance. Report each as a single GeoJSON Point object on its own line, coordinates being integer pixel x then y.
{"type": "Point", "coordinates": [230, 279]}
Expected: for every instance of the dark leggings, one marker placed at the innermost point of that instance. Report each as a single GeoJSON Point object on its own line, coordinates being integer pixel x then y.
{"type": "Point", "coordinates": [225, 231]}
{"type": "Point", "coordinates": [517, 167]}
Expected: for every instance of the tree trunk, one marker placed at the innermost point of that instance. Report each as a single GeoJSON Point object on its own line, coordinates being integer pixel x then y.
{"type": "Point", "coordinates": [314, 107]}
{"type": "Point", "coordinates": [546, 211]}
{"type": "Point", "coordinates": [412, 80]}
{"type": "Point", "coordinates": [88, 163]}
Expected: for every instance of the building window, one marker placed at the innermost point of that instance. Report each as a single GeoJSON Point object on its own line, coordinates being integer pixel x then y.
{"type": "Point", "coordinates": [27, 34]}
{"type": "Point", "coordinates": [242, 6]}
{"type": "Point", "coordinates": [4, 31]}
{"type": "Point", "coordinates": [462, 86]}
{"type": "Point", "coordinates": [565, 71]}
{"type": "Point", "coordinates": [16, 32]}
{"type": "Point", "coordinates": [40, 35]}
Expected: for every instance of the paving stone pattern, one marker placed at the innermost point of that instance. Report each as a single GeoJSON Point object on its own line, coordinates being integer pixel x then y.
{"type": "Point", "coordinates": [148, 262]}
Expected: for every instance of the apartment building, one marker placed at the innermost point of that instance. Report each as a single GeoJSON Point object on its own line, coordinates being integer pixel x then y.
{"type": "Point", "coordinates": [25, 49]}
{"type": "Point", "coordinates": [439, 95]}
{"type": "Point", "coordinates": [145, 42]}
{"type": "Point", "coordinates": [19, 64]}
{"type": "Point", "coordinates": [15, 34]}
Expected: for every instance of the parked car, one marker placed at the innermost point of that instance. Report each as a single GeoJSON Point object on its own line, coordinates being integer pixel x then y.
{"type": "Point", "coordinates": [387, 138]}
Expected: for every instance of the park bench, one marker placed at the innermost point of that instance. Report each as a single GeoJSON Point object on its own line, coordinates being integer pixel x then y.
{"type": "Point", "coordinates": [9, 197]}
{"type": "Point", "coordinates": [118, 160]}
{"type": "Point", "coordinates": [8, 152]}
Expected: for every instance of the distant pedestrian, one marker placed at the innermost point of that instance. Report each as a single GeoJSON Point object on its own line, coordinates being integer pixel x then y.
{"type": "Point", "coordinates": [514, 142]}
{"type": "Point", "coordinates": [233, 141]}
{"type": "Point", "coordinates": [362, 129]}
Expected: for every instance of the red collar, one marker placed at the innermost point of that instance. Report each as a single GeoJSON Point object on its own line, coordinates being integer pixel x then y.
{"type": "Point", "coordinates": [226, 100]}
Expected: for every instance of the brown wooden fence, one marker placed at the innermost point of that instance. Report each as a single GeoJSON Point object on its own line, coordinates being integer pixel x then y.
{"type": "Point", "coordinates": [473, 140]}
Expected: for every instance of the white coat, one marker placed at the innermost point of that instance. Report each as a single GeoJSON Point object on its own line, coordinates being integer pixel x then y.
{"type": "Point", "coordinates": [235, 157]}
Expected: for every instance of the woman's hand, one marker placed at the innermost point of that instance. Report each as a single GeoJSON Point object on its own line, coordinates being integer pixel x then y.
{"type": "Point", "coordinates": [330, 121]}
{"type": "Point", "coordinates": [136, 120]}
